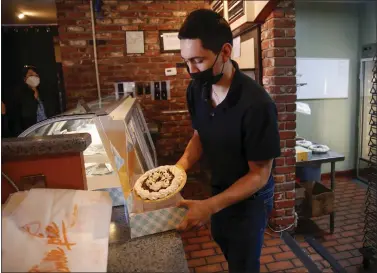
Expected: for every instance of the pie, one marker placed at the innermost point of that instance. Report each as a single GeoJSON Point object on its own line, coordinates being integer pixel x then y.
{"type": "Point", "coordinates": [318, 148]}
{"type": "Point", "coordinates": [160, 182]}
{"type": "Point", "coordinates": [304, 143]}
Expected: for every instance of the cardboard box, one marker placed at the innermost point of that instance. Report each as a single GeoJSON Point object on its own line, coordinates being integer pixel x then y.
{"type": "Point", "coordinates": [319, 199]}
{"type": "Point", "coordinates": [303, 154]}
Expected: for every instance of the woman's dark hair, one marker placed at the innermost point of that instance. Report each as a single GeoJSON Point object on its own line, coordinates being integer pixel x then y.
{"type": "Point", "coordinates": [26, 68]}
{"type": "Point", "coordinates": [208, 26]}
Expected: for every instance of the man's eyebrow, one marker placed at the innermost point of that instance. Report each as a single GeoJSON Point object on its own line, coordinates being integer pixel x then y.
{"type": "Point", "coordinates": [192, 58]}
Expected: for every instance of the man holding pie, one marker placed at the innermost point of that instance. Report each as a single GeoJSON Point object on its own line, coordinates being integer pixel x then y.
{"type": "Point", "coordinates": [235, 128]}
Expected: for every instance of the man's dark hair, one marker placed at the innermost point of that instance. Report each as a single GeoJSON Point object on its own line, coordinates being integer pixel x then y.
{"type": "Point", "coordinates": [208, 26]}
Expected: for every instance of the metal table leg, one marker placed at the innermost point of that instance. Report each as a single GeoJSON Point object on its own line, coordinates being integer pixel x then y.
{"type": "Point", "coordinates": [332, 215]}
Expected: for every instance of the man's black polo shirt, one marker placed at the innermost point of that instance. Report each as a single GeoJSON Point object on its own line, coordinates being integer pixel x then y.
{"type": "Point", "coordinates": [242, 128]}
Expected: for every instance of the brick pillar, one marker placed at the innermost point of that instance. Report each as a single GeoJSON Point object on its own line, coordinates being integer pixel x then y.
{"type": "Point", "coordinates": [279, 79]}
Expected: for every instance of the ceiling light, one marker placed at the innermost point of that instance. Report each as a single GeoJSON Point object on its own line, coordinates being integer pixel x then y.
{"type": "Point", "coordinates": [21, 16]}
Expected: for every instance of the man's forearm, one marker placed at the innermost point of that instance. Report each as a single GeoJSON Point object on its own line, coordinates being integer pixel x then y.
{"type": "Point", "coordinates": [243, 188]}
{"type": "Point", "coordinates": [192, 153]}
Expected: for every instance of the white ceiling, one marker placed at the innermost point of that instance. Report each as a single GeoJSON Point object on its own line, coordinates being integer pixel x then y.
{"type": "Point", "coordinates": [37, 12]}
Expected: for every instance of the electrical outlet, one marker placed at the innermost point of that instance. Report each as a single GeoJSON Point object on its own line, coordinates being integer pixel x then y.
{"type": "Point", "coordinates": [139, 89]}
{"type": "Point", "coordinates": [147, 87]}
{"type": "Point", "coordinates": [164, 91]}
{"type": "Point", "coordinates": [157, 91]}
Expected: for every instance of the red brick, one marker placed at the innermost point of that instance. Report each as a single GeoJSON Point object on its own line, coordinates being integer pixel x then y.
{"type": "Point", "coordinates": [284, 170]}
{"type": "Point", "coordinates": [344, 263]}
{"type": "Point", "coordinates": [201, 232]}
{"type": "Point", "coordinates": [274, 71]}
{"type": "Point", "coordinates": [355, 260]}
{"type": "Point", "coordinates": [283, 80]}
{"type": "Point", "coordinates": [263, 269]}
{"type": "Point", "coordinates": [225, 266]}
{"type": "Point", "coordinates": [270, 250]}
{"type": "Point", "coordinates": [290, 194]}
{"type": "Point", "coordinates": [349, 233]}
{"type": "Point", "coordinates": [284, 256]}
{"type": "Point", "coordinates": [279, 178]}
{"type": "Point", "coordinates": [351, 227]}
{"type": "Point", "coordinates": [284, 204]}
{"type": "Point", "coordinates": [281, 23]}
{"type": "Point", "coordinates": [286, 117]}
{"type": "Point", "coordinates": [330, 243]}
{"type": "Point", "coordinates": [285, 62]}
{"type": "Point", "coordinates": [290, 125]}
{"type": "Point", "coordinates": [290, 160]}
{"type": "Point", "coordinates": [290, 32]}
{"type": "Point", "coordinates": [297, 262]}
{"type": "Point", "coordinates": [218, 250]}
{"type": "Point", "coordinates": [197, 240]}
{"type": "Point", "coordinates": [346, 240]}
{"type": "Point", "coordinates": [283, 221]}
{"type": "Point", "coordinates": [202, 253]}
{"type": "Point", "coordinates": [209, 268]}
{"type": "Point", "coordinates": [284, 98]}
{"type": "Point", "coordinates": [342, 255]}
{"type": "Point", "coordinates": [290, 143]}
{"type": "Point", "coordinates": [291, 108]}
{"type": "Point", "coordinates": [287, 134]}
{"type": "Point", "coordinates": [189, 248]}
{"type": "Point", "coordinates": [278, 13]}
{"type": "Point", "coordinates": [277, 213]}
{"type": "Point", "coordinates": [315, 257]}
{"type": "Point", "coordinates": [344, 247]}
{"type": "Point", "coordinates": [274, 242]}
{"type": "Point", "coordinates": [278, 196]}
{"type": "Point", "coordinates": [279, 266]}
{"type": "Point", "coordinates": [265, 259]}
{"type": "Point", "coordinates": [209, 245]}
{"type": "Point", "coordinates": [215, 259]}
{"type": "Point", "coordinates": [196, 262]}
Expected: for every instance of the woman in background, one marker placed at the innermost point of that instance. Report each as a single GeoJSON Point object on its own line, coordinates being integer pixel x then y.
{"type": "Point", "coordinates": [27, 105]}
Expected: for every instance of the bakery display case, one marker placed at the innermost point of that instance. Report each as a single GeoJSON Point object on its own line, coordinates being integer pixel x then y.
{"type": "Point", "coordinates": [121, 149]}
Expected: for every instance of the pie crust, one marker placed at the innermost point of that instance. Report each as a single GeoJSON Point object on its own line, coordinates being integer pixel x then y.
{"type": "Point", "coordinates": [319, 148]}
{"type": "Point", "coordinates": [160, 182]}
{"type": "Point", "coordinates": [304, 143]}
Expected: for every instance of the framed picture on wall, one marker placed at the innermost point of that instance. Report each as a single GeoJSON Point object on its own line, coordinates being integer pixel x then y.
{"type": "Point", "coordinates": [247, 52]}
{"type": "Point", "coordinates": [169, 42]}
{"type": "Point", "coordinates": [134, 42]}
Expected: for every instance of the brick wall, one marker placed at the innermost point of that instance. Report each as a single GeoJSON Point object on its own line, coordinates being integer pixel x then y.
{"type": "Point", "coordinates": [279, 79]}
{"type": "Point", "coordinates": [115, 65]}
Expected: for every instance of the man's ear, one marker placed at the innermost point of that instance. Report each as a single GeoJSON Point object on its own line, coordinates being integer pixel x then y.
{"type": "Point", "coordinates": [227, 52]}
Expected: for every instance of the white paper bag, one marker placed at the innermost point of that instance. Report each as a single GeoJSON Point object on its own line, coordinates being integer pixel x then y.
{"type": "Point", "coordinates": [54, 230]}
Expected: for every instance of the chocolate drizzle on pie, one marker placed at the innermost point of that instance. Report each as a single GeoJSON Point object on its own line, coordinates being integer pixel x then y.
{"type": "Point", "coordinates": [145, 186]}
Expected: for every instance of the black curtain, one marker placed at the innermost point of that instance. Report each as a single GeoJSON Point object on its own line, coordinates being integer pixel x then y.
{"type": "Point", "coordinates": [30, 46]}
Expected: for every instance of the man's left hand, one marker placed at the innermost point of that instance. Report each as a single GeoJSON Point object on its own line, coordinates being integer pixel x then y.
{"type": "Point", "coordinates": [199, 213]}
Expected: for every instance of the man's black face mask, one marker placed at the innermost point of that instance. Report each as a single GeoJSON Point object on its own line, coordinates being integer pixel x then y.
{"type": "Point", "coordinates": [206, 76]}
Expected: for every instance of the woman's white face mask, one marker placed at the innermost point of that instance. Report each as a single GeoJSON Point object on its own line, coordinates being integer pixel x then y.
{"type": "Point", "coordinates": [33, 81]}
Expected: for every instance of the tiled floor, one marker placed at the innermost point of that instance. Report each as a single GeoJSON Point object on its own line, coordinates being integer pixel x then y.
{"type": "Point", "coordinates": [203, 255]}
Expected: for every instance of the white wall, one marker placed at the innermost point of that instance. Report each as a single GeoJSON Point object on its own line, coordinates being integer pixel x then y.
{"type": "Point", "coordinates": [330, 30]}
{"type": "Point", "coordinates": [368, 22]}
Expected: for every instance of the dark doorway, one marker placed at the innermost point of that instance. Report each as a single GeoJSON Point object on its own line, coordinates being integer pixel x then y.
{"type": "Point", "coordinates": [32, 45]}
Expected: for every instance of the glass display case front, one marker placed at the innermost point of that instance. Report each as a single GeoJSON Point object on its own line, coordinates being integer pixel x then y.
{"type": "Point", "coordinates": [121, 148]}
